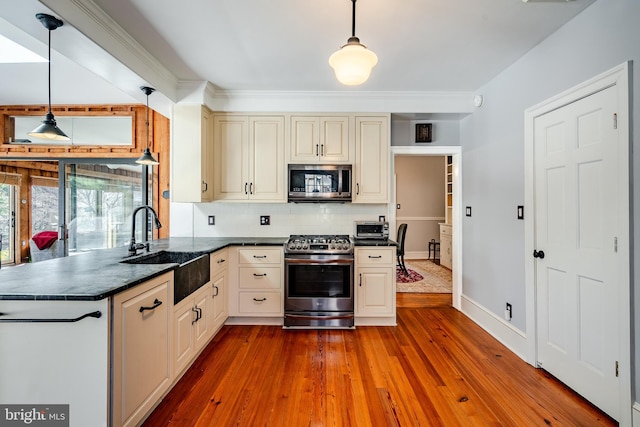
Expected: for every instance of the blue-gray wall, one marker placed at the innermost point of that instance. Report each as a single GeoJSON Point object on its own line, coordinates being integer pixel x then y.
{"type": "Point", "coordinates": [603, 36]}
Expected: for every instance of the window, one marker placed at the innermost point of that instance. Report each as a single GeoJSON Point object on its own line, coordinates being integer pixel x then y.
{"type": "Point", "coordinates": [7, 221]}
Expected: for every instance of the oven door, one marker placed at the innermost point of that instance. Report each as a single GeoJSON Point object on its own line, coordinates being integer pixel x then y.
{"type": "Point", "coordinates": [318, 284]}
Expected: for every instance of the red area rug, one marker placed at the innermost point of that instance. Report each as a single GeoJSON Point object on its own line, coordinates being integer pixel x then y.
{"type": "Point", "coordinates": [403, 278]}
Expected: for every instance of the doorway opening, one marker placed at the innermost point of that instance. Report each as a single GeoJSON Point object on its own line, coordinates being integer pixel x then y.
{"type": "Point", "coordinates": [450, 214]}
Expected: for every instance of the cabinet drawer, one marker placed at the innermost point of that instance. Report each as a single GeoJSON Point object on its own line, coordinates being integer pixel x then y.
{"type": "Point", "coordinates": [260, 302]}
{"type": "Point", "coordinates": [445, 230]}
{"type": "Point", "coordinates": [260, 256]}
{"type": "Point", "coordinates": [259, 277]}
{"type": "Point", "coordinates": [374, 256]}
{"type": "Point", "coordinates": [219, 261]}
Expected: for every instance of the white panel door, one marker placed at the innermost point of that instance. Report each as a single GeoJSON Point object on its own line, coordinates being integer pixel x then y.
{"type": "Point", "coordinates": [577, 283]}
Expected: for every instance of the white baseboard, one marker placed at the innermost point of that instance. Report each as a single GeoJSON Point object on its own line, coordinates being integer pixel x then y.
{"type": "Point", "coordinates": [635, 414]}
{"type": "Point", "coordinates": [513, 338]}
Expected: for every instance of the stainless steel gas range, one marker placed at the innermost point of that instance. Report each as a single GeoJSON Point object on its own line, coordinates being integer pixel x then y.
{"type": "Point", "coordinates": [319, 281]}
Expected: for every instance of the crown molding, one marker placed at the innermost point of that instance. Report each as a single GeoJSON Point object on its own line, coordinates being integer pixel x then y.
{"type": "Point", "coordinates": [335, 101]}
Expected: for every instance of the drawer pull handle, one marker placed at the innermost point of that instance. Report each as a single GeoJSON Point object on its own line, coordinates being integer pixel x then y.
{"type": "Point", "coordinates": [259, 275]}
{"type": "Point", "coordinates": [220, 261]}
{"type": "Point", "coordinates": [198, 312]}
{"type": "Point", "coordinates": [375, 257]}
{"type": "Point", "coordinates": [155, 305]}
{"type": "Point", "coordinates": [260, 299]}
{"type": "Point", "coordinates": [260, 256]}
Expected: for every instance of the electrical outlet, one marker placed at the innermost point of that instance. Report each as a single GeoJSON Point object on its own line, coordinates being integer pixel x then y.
{"type": "Point", "coordinates": [265, 220]}
{"type": "Point", "coordinates": [508, 312]}
{"type": "Point", "coordinates": [212, 220]}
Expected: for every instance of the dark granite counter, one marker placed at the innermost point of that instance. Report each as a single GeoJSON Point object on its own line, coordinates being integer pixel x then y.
{"type": "Point", "coordinates": [374, 242]}
{"type": "Point", "coordinates": [100, 274]}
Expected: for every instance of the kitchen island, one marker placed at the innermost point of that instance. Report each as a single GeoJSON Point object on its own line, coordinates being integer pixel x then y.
{"type": "Point", "coordinates": [97, 334]}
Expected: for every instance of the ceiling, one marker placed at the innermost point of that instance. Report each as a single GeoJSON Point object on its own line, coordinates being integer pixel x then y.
{"type": "Point", "coordinates": [275, 45]}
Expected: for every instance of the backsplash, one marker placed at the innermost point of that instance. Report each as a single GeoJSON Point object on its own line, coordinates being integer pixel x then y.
{"type": "Point", "coordinates": [243, 219]}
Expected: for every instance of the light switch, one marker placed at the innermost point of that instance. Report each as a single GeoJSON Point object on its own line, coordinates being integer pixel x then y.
{"type": "Point", "coordinates": [468, 211]}
{"type": "Point", "coordinates": [520, 212]}
{"type": "Point", "coordinates": [212, 220]}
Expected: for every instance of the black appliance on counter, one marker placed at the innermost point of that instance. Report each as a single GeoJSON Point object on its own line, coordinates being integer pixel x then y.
{"type": "Point", "coordinates": [318, 281]}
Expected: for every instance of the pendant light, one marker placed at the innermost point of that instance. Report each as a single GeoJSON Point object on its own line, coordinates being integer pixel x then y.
{"type": "Point", "coordinates": [353, 63]}
{"type": "Point", "coordinates": [147, 158]}
{"type": "Point", "coordinates": [49, 129]}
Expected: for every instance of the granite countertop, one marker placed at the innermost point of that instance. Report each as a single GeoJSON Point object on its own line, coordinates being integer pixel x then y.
{"type": "Point", "coordinates": [100, 274]}
{"type": "Point", "coordinates": [374, 242]}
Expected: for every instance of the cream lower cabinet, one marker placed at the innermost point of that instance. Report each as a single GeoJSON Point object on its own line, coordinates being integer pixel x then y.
{"type": "Point", "coordinates": [256, 282]}
{"type": "Point", "coordinates": [190, 328]}
{"type": "Point", "coordinates": [446, 255]}
{"type": "Point", "coordinates": [141, 349]}
{"type": "Point", "coordinates": [249, 158]}
{"type": "Point", "coordinates": [371, 169]}
{"type": "Point", "coordinates": [375, 285]}
{"type": "Point", "coordinates": [219, 300]}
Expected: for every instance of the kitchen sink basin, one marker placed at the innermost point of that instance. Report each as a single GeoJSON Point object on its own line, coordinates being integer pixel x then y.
{"type": "Point", "coordinates": [193, 269]}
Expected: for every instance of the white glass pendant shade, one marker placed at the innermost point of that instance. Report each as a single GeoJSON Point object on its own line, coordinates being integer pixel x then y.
{"type": "Point", "coordinates": [353, 63]}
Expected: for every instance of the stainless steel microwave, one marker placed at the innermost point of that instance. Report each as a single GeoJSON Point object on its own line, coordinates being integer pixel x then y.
{"type": "Point", "coordinates": [319, 183]}
{"type": "Point", "coordinates": [371, 230]}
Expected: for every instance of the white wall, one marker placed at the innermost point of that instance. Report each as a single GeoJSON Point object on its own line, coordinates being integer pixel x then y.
{"type": "Point", "coordinates": [243, 219]}
{"type": "Point", "coordinates": [603, 36]}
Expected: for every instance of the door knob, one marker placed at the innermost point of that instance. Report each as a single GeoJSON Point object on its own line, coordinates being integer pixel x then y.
{"type": "Point", "coordinates": [538, 254]}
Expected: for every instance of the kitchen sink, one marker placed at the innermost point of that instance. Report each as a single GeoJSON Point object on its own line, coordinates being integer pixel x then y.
{"type": "Point", "coordinates": [193, 269]}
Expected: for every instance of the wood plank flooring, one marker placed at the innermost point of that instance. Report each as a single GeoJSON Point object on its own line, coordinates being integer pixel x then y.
{"type": "Point", "coordinates": [436, 368]}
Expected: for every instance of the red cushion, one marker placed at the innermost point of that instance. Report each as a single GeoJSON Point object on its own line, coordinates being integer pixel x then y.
{"type": "Point", "coordinates": [45, 239]}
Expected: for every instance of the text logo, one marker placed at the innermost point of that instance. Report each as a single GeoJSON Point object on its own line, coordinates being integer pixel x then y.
{"type": "Point", "coordinates": [34, 415]}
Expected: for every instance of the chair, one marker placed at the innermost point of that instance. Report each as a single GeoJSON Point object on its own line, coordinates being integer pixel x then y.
{"type": "Point", "coordinates": [53, 251]}
{"type": "Point", "coordinates": [402, 232]}
{"type": "Point", "coordinates": [435, 247]}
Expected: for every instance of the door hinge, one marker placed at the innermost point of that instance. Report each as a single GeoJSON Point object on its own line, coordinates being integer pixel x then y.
{"type": "Point", "coordinates": [615, 244]}
{"type": "Point", "coordinates": [615, 120]}
{"type": "Point", "coordinates": [617, 370]}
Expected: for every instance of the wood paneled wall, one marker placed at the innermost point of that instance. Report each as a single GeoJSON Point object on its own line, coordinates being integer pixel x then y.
{"type": "Point", "coordinates": [159, 144]}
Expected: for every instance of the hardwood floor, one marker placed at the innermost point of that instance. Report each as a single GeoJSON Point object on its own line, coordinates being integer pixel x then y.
{"type": "Point", "coordinates": [436, 368]}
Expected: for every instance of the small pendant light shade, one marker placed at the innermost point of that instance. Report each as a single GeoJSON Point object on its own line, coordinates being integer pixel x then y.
{"type": "Point", "coordinates": [147, 158]}
{"type": "Point", "coordinates": [353, 63]}
{"type": "Point", "coordinates": [49, 128]}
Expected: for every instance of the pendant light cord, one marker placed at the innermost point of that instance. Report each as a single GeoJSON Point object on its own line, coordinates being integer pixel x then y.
{"type": "Point", "coordinates": [49, 70]}
{"type": "Point", "coordinates": [147, 121]}
{"type": "Point", "coordinates": [353, 19]}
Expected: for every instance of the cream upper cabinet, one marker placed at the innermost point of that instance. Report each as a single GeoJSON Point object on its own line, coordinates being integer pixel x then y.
{"type": "Point", "coordinates": [371, 169]}
{"type": "Point", "coordinates": [249, 158]}
{"type": "Point", "coordinates": [323, 139]}
{"type": "Point", "coordinates": [192, 154]}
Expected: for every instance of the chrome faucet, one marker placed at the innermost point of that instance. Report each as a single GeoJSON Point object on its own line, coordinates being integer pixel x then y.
{"type": "Point", "coordinates": [133, 246]}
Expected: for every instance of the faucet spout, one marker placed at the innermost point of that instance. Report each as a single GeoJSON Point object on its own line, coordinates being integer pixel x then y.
{"type": "Point", "coordinates": [133, 246]}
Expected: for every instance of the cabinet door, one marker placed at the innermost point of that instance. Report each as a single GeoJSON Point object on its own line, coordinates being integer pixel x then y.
{"type": "Point", "coordinates": [266, 161]}
{"type": "Point", "coordinates": [372, 160]}
{"type": "Point", "coordinates": [305, 140]}
{"type": "Point", "coordinates": [218, 302]}
{"type": "Point", "coordinates": [183, 335]}
{"type": "Point", "coordinates": [446, 257]}
{"type": "Point", "coordinates": [231, 157]}
{"type": "Point", "coordinates": [192, 164]}
{"type": "Point", "coordinates": [141, 349]}
{"type": "Point", "coordinates": [319, 139]}
{"type": "Point", "coordinates": [201, 325]}
{"type": "Point", "coordinates": [375, 292]}
{"type": "Point", "coordinates": [334, 139]}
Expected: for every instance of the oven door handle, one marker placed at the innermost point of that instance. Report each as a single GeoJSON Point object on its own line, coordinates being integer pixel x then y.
{"type": "Point", "coordinates": [309, 317]}
{"type": "Point", "coordinates": [318, 261]}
